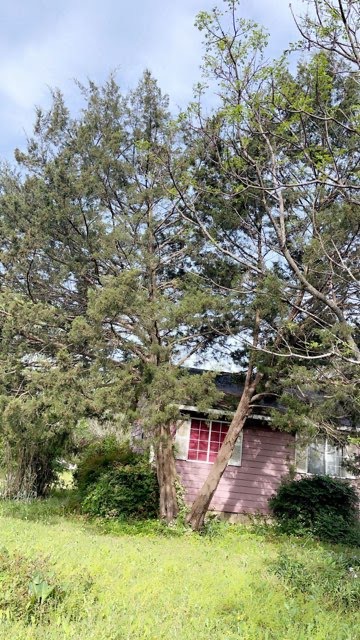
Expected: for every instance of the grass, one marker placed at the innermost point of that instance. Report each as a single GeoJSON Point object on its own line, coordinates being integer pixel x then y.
{"type": "Point", "coordinates": [142, 581]}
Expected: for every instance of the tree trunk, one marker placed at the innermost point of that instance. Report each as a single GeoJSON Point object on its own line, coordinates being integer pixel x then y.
{"type": "Point", "coordinates": [200, 506]}
{"type": "Point", "coordinates": [166, 474]}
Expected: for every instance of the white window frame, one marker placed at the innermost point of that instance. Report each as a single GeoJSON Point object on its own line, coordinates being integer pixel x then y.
{"type": "Point", "coordinates": [302, 460]}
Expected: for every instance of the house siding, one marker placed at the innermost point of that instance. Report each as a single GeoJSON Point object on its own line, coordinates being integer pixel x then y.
{"type": "Point", "coordinates": [266, 455]}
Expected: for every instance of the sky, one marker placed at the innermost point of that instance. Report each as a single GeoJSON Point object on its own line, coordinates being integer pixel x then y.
{"type": "Point", "coordinates": [49, 43]}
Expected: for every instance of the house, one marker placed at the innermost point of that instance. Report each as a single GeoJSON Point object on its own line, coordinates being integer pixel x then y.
{"type": "Point", "coordinates": [262, 456]}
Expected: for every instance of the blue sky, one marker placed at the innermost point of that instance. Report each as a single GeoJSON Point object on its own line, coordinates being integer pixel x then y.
{"type": "Point", "coordinates": [48, 43]}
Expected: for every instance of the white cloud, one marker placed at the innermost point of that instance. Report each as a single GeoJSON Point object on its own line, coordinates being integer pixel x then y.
{"type": "Point", "coordinates": [55, 42]}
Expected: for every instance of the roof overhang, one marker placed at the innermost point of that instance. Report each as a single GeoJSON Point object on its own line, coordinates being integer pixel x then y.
{"type": "Point", "coordinates": [220, 412]}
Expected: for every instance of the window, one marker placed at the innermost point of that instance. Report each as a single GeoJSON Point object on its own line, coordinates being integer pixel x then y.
{"type": "Point", "coordinates": [206, 439]}
{"type": "Point", "coordinates": [321, 457]}
{"type": "Point", "coordinates": [200, 440]}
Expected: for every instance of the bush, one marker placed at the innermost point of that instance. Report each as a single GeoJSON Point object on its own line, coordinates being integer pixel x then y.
{"type": "Point", "coordinates": [124, 491]}
{"type": "Point", "coordinates": [113, 481]}
{"type": "Point", "coordinates": [321, 505]}
{"type": "Point", "coordinates": [98, 458]}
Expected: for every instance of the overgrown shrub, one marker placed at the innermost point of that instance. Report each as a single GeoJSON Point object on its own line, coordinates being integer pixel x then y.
{"type": "Point", "coordinates": [124, 491]}
{"type": "Point", "coordinates": [321, 505]}
{"type": "Point", "coordinates": [98, 458]}
{"type": "Point", "coordinates": [113, 481]}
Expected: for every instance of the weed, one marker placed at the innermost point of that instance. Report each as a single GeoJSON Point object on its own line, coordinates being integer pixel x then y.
{"type": "Point", "coordinates": [332, 578]}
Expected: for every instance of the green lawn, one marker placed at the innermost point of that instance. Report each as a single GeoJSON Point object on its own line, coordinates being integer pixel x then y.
{"type": "Point", "coordinates": [235, 584]}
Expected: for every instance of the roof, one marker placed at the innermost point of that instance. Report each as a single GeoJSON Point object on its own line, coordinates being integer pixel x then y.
{"type": "Point", "coordinates": [232, 384]}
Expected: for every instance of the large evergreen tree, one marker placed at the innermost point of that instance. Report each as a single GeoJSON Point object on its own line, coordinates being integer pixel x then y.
{"type": "Point", "coordinates": [94, 232]}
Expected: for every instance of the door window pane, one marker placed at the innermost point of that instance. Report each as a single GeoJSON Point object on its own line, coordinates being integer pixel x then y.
{"type": "Point", "coordinates": [316, 458]}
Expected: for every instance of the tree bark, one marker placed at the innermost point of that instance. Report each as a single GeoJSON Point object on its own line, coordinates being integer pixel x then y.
{"type": "Point", "coordinates": [166, 474]}
{"type": "Point", "coordinates": [199, 508]}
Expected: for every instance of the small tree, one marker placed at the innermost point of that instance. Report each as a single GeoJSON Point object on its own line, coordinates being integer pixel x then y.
{"type": "Point", "coordinates": [38, 400]}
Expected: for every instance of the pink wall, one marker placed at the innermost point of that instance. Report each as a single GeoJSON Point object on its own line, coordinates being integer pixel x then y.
{"type": "Point", "coordinates": [266, 455]}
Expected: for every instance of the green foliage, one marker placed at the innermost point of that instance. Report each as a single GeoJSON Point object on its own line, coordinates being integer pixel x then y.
{"type": "Point", "coordinates": [271, 119]}
{"type": "Point", "coordinates": [115, 482]}
{"type": "Point", "coordinates": [101, 295]}
{"type": "Point", "coordinates": [33, 595]}
{"type": "Point", "coordinates": [150, 528]}
{"type": "Point", "coordinates": [214, 526]}
{"type": "Point", "coordinates": [333, 577]}
{"type": "Point", "coordinates": [320, 505]}
{"type": "Point", "coordinates": [40, 590]}
{"type": "Point", "coordinates": [36, 423]}
{"type": "Point", "coordinates": [330, 526]}
{"type": "Point", "coordinates": [51, 510]}
{"type": "Point", "coordinates": [125, 490]}
{"type": "Point", "coordinates": [98, 458]}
